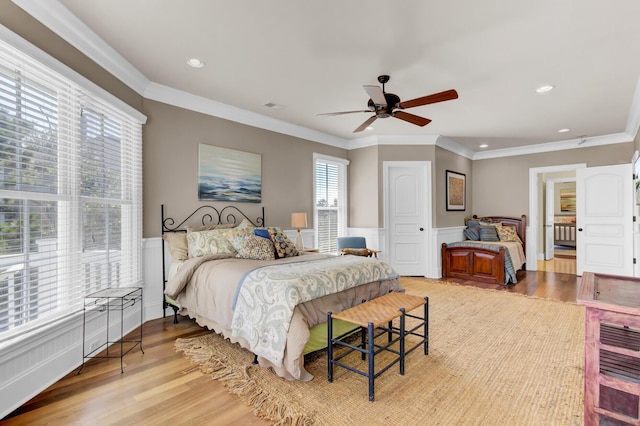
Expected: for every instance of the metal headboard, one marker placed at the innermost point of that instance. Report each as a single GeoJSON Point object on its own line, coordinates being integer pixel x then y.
{"type": "Point", "coordinates": [206, 216]}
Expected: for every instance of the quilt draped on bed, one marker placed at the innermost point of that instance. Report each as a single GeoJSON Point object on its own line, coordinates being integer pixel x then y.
{"type": "Point", "coordinates": [509, 268]}
{"type": "Point", "coordinates": [266, 297]}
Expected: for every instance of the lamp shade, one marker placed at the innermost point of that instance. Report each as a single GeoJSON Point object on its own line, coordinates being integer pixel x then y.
{"type": "Point", "coordinates": [298, 220]}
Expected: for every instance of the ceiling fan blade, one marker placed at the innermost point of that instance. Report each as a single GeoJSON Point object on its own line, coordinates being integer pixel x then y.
{"type": "Point", "coordinates": [344, 112]}
{"type": "Point", "coordinates": [366, 124]}
{"type": "Point", "coordinates": [376, 94]}
{"type": "Point", "coordinates": [413, 119]}
{"type": "Point", "coordinates": [447, 95]}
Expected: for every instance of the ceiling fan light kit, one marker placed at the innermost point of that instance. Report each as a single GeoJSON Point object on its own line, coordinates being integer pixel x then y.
{"type": "Point", "coordinates": [384, 105]}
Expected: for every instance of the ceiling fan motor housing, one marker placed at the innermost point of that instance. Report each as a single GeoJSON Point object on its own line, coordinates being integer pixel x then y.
{"type": "Point", "coordinates": [383, 111]}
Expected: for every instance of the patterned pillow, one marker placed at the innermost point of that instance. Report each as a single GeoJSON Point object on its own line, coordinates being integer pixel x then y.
{"type": "Point", "coordinates": [488, 233]}
{"type": "Point", "coordinates": [236, 235]}
{"type": "Point", "coordinates": [257, 248]}
{"type": "Point", "coordinates": [203, 243]}
{"type": "Point", "coordinates": [507, 233]}
{"type": "Point", "coordinates": [357, 251]}
{"type": "Point", "coordinates": [284, 246]}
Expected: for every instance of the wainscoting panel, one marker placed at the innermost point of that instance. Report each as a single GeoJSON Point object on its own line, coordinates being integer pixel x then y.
{"type": "Point", "coordinates": [440, 236]}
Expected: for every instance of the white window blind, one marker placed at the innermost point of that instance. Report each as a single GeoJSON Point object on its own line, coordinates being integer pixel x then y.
{"type": "Point", "coordinates": [330, 188]}
{"type": "Point", "coordinates": [70, 194]}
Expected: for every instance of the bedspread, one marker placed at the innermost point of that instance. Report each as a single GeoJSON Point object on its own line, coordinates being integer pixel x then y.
{"type": "Point", "coordinates": [267, 296]}
{"type": "Point", "coordinates": [205, 289]}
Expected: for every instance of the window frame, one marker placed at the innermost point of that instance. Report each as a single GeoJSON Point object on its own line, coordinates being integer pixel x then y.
{"type": "Point", "coordinates": [81, 93]}
{"type": "Point", "coordinates": [342, 197]}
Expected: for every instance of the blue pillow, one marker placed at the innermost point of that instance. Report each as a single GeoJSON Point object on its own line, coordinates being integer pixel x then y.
{"type": "Point", "coordinates": [488, 233]}
{"type": "Point", "coordinates": [472, 234]}
{"type": "Point", "coordinates": [261, 232]}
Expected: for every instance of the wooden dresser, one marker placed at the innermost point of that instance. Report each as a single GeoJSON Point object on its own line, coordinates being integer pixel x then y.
{"type": "Point", "coordinates": [612, 349]}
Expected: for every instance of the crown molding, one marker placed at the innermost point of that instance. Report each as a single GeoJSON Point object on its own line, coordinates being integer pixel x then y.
{"type": "Point", "coordinates": [450, 145]}
{"type": "Point", "coordinates": [61, 21]}
{"type": "Point", "coordinates": [555, 146]}
{"type": "Point", "coordinates": [13, 39]}
{"type": "Point", "coordinates": [55, 16]}
{"type": "Point", "coordinates": [179, 98]}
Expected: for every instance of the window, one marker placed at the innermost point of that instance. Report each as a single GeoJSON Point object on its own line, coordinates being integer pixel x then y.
{"type": "Point", "coordinates": [70, 194]}
{"type": "Point", "coordinates": [330, 207]}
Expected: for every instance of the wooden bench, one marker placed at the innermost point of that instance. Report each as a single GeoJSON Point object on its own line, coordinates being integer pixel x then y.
{"type": "Point", "coordinates": [378, 314]}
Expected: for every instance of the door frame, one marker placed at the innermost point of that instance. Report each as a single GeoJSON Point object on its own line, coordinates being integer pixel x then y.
{"type": "Point", "coordinates": [428, 206]}
{"type": "Point", "coordinates": [550, 211]}
{"type": "Point", "coordinates": [532, 220]}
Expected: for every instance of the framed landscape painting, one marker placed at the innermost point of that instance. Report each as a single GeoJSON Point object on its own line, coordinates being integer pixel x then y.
{"type": "Point", "coordinates": [229, 175]}
{"type": "Point", "coordinates": [456, 191]}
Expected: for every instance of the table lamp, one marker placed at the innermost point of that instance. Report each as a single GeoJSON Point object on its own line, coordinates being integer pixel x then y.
{"type": "Point", "coordinates": [299, 220]}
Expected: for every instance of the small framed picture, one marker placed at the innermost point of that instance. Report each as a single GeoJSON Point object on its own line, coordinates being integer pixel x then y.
{"type": "Point", "coordinates": [456, 191]}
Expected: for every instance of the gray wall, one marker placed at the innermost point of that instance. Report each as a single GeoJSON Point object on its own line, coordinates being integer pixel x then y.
{"type": "Point", "coordinates": [364, 195]}
{"type": "Point", "coordinates": [366, 209]}
{"type": "Point", "coordinates": [170, 165]}
{"type": "Point", "coordinates": [501, 185]}
{"type": "Point", "coordinates": [446, 160]}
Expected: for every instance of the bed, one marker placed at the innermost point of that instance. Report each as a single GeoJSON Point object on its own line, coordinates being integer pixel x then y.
{"type": "Point", "coordinates": [494, 259]}
{"type": "Point", "coordinates": [246, 281]}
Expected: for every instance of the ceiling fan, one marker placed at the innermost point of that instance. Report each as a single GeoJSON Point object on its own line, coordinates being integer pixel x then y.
{"type": "Point", "coordinates": [385, 105]}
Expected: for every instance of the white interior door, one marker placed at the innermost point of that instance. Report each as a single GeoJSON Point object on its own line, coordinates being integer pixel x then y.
{"type": "Point", "coordinates": [406, 217]}
{"type": "Point", "coordinates": [549, 237]}
{"type": "Point", "coordinates": [604, 220]}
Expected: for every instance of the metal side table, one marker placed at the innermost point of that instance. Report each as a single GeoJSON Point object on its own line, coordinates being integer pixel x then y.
{"type": "Point", "coordinates": [104, 303]}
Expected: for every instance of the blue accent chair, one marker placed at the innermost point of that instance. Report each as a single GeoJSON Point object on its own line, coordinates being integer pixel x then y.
{"type": "Point", "coordinates": [359, 243]}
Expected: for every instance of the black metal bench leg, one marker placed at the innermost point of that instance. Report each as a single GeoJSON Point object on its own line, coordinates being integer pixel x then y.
{"type": "Point", "coordinates": [426, 325]}
{"type": "Point", "coordinates": [329, 347]}
{"type": "Point", "coordinates": [371, 364]}
{"type": "Point", "coordinates": [402, 333]}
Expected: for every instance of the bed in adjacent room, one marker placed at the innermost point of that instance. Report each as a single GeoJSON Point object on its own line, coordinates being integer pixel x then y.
{"type": "Point", "coordinates": [493, 251]}
{"type": "Point", "coordinates": [248, 282]}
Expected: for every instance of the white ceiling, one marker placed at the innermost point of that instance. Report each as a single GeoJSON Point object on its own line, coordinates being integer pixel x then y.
{"type": "Point", "coordinates": [314, 57]}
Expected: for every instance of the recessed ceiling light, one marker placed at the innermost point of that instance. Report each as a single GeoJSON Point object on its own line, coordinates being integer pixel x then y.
{"type": "Point", "coordinates": [195, 63]}
{"type": "Point", "coordinates": [369, 128]}
{"type": "Point", "coordinates": [564, 130]}
{"type": "Point", "coordinates": [484, 145]}
{"type": "Point", "coordinates": [544, 89]}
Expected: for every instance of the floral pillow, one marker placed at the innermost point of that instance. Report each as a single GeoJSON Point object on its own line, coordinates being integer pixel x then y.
{"type": "Point", "coordinates": [257, 248]}
{"type": "Point", "coordinates": [507, 233]}
{"type": "Point", "coordinates": [203, 243]}
{"type": "Point", "coordinates": [236, 236]}
{"type": "Point", "coordinates": [284, 246]}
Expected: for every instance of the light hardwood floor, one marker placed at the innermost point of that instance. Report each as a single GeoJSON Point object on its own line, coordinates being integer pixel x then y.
{"type": "Point", "coordinates": [162, 387]}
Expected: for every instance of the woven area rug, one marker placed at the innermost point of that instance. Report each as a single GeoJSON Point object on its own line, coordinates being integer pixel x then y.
{"type": "Point", "coordinates": [495, 358]}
